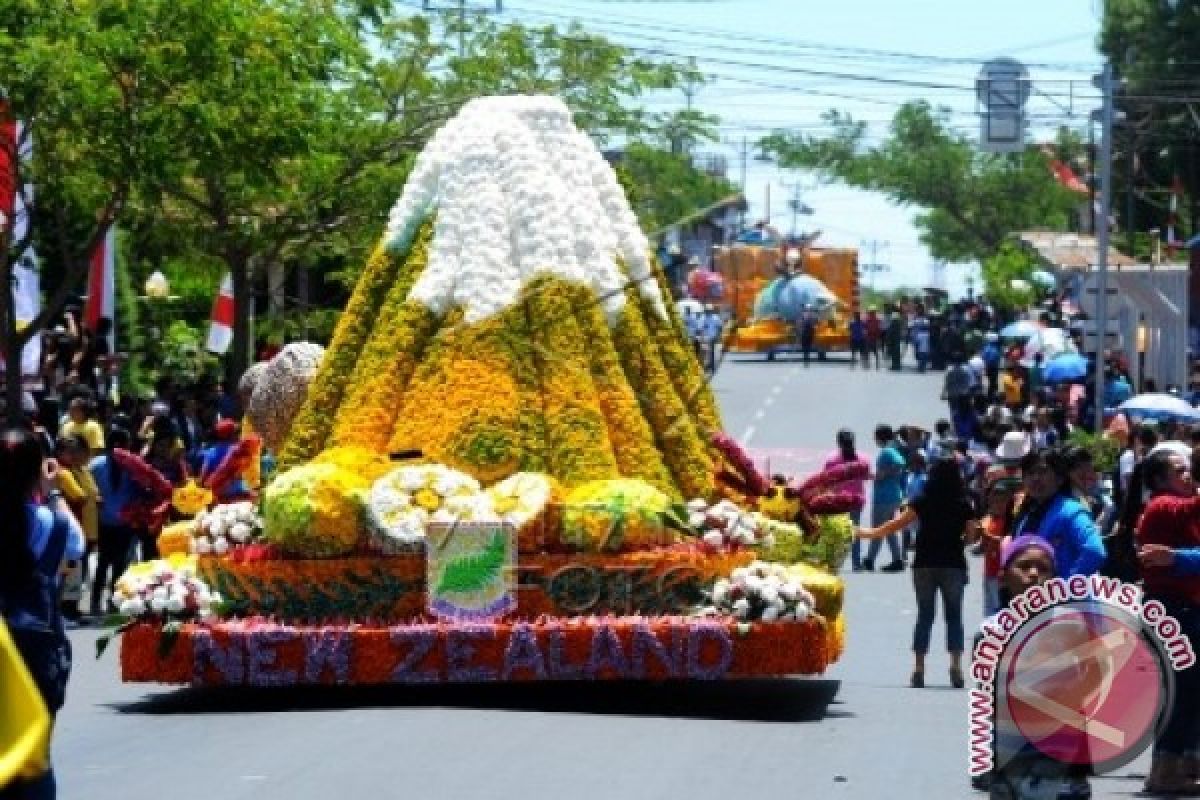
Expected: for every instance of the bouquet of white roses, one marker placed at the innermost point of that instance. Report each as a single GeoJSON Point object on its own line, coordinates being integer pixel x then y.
{"type": "Point", "coordinates": [217, 531]}
{"type": "Point", "coordinates": [725, 527]}
{"type": "Point", "coordinates": [166, 588]}
{"type": "Point", "coordinates": [761, 591]}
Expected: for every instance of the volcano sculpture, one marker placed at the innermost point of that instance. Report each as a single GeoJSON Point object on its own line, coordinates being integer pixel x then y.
{"type": "Point", "coordinates": [512, 320]}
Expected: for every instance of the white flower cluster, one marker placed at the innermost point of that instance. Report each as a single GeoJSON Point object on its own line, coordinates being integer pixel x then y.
{"type": "Point", "coordinates": [164, 589]}
{"type": "Point", "coordinates": [402, 503]}
{"type": "Point", "coordinates": [279, 391]}
{"type": "Point", "coordinates": [762, 591]}
{"type": "Point", "coordinates": [215, 532]}
{"type": "Point", "coordinates": [519, 192]}
{"type": "Point", "coordinates": [724, 526]}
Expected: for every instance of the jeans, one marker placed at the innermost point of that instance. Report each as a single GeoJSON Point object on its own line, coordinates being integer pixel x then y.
{"type": "Point", "coordinates": [1181, 735]}
{"type": "Point", "coordinates": [881, 513]}
{"type": "Point", "coordinates": [991, 596]}
{"type": "Point", "coordinates": [927, 583]}
{"type": "Point", "coordinates": [856, 543]}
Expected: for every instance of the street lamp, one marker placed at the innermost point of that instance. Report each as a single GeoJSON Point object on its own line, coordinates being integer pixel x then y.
{"type": "Point", "coordinates": [157, 287]}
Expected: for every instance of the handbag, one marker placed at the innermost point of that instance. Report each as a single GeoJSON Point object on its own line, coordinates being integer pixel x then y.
{"type": "Point", "coordinates": [25, 722]}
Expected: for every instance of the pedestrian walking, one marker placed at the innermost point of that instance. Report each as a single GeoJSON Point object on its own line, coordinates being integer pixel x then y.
{"type": "Point", "coordinates": [992, 356]}
{"type": "Point", "coordinates": [875, 335]}
{"type": "Point", "coordinates": [887, 493]}
{"type": "Point", "coordinates": [847, 453]}
{"type": "Point", "coordinates": [118, 492]}
{"type": "Point", "coordinates": [808, 332]}
{"type": "Point", "coordinates": [946, 524]}
{"type": "Point", "coordinates": [860, 350]}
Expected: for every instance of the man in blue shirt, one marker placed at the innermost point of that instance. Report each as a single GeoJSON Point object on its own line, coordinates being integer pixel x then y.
{"type": "Point", "coordinates": [992, 356]}
{"type": "Point", "coordinates": [887, 494]}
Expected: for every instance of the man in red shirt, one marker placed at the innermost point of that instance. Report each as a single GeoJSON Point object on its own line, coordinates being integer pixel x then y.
{"type": "Point", "coordinates": [1168, 537]}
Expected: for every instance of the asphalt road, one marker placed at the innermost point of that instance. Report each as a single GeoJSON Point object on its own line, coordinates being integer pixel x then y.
{"type": "Point", "coordinates": [858, 733]}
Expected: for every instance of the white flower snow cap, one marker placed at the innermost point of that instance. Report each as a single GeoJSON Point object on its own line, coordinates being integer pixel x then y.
{"type": "Point", "coordinates": [519, 192]}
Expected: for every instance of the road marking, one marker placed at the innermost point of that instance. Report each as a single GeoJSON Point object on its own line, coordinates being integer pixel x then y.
{"type": "Point", "coordinates": [777, 390]}
{"type": "Point", "coordinates": [759, 414]}
{"type": "Point", "coordinates": [769, 401]}
{"type": "Point", "coordinates": [749, 433]}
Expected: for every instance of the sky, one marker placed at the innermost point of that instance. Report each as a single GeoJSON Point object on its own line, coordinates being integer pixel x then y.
{"type": "Point", "coordinates": [778, 64]}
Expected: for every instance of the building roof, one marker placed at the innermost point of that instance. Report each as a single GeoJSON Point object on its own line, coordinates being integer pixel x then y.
{"type": "Point", "coordinates": [1071, 251]}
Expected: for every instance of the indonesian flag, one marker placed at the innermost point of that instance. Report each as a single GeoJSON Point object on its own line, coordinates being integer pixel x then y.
{"type": "Point", "coordinates": [220, 327]}
{"type": "Point", "coordinates": [26, 288]}
{"type": "Point", "coordinates": [8, 169]}
{"type": "Point", "coordinates": [101, 282]}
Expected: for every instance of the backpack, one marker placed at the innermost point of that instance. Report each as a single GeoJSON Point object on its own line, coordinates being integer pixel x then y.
{"type": "Point", "coordinates": [43, 643]}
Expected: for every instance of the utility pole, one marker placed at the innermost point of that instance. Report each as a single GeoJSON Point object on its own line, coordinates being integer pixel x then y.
{"type": "Point", "coordinates": [796, 203]}
{"type": "Point", "coordinates": [462, 6]}
{"type": "Point", "coordinates": [873, 266]}
{"type": "Point", "coordinates": [1105, 83]}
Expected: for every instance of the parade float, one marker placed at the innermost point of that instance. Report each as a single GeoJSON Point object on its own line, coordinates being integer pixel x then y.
{"type": "Point", "coordinates": [774, 285]}
{"type": "Point", "coordinates": [507, 465]}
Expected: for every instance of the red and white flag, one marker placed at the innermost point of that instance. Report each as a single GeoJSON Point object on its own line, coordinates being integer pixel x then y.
{"type": "Point", "coordinates": [220, 327]}
{"type": "Point", "coordinates": [102, 273]}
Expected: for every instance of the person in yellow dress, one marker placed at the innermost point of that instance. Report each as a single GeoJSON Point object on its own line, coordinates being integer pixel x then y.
{"type": "Point", "coordinates": [79, 489]}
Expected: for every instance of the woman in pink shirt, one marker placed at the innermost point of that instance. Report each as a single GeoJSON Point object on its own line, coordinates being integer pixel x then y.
{"type": "Point", "coordinates": [846, 454]}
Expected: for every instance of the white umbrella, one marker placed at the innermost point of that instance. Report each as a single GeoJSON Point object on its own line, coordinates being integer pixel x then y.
{"type": "Point", "coordinates": [1050, 342]}
{"type": "Point", "coordinates": [1159, 406]}
{"type": "Point", "coordinates": [1044, 279]}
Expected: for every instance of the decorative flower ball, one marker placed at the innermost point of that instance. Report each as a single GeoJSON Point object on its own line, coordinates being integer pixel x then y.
{"type": "Point", "coordinates": [527, 501]}
{"type": "Point", "coordinates": [725, 527]}
{"type": "Point", "coordinates": [280, 390]}
{"type": "Point", "coordinates": [314, 510]}
{"type": "Point", "coordinates": [405, 501]}
{"type": "Point", "coordinates": [762, 591]}
{"type": "Point", "coordinates": [218, 531]}
{"type": "Point", "coordinates": [617, 515]}
{"type": "Point", "coordinates": [164, 589]}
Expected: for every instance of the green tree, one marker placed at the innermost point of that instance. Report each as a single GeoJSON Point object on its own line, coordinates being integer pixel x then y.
{"type": "Point", "coordinates": [971, 201]}
{"type": "Point", "coordinates": [1154, 46]}
{"type": "Point", "coordinates": [1010, 263]}
{"type": "Point", "coordinates": [66, 75]}
{"type": "Point", "coordinates": [664, 188]}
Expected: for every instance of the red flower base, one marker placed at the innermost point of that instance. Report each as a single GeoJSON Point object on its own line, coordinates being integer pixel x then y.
{"type": "Point", "coordinates": [260, 653]}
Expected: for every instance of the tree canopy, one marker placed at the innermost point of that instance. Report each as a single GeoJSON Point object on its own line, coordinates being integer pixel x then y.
{"type": "Point", "coordinates": [260, 136]}
{"type": "Point", "coordinates": [1155, 47]}
{"type": "Point", "coordinates": [970, 201]}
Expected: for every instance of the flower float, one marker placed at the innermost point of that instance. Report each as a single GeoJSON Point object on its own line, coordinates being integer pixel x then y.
{"type": "Point", "coordinates": [279, 391]}
{"type": "Point", "coordinates": [166, 589]}
{"type": "Point", "coordinates": [190, 499]}
{"type": "Point", "coordinates": [405, 501]}
{"type": "Point", "coordinates": [616, 515]}
{"type": "Point", "coordinates": [526, 501]}
{"type": "Point", "coordinates": [314, 511]}
{"type": "Point", "coordinates": [218, 531]}
{"type": "Point", "coordinates": [762, 591]}
{"type": "Point", "coordinates": [726, 527]}
{"type": "Point", "coordinates": [509, 341]}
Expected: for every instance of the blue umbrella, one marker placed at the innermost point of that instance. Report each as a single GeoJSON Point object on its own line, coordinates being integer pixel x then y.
{"type": "Point", "coordinates": [1021, 329]}
{"type": "Point", "coordinates": [1159, 406]}
{"type": "Point", "coordinates": [1066, 368]}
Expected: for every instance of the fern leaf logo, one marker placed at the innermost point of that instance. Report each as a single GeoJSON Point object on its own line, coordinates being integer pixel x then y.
{"type": "Point", "coordinates": [473, 573]}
